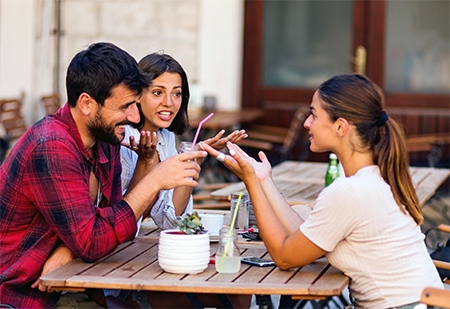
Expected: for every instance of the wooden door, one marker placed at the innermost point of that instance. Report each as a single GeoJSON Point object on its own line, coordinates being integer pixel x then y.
{"type": "Point", "coordinates": [333, 33]}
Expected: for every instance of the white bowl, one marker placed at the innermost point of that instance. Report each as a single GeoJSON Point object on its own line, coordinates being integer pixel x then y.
{"type": "Point", "coordinates": [212, 223]}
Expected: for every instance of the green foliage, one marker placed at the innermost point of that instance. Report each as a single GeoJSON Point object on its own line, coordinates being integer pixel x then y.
{"type": "Point", "coordinates": [191, 224]}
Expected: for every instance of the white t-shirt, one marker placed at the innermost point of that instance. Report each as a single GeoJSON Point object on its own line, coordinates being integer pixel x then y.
{"type": "Point", "coordinates": [163, 212]}
{"type": "Point", "coordinates": [357, 221]}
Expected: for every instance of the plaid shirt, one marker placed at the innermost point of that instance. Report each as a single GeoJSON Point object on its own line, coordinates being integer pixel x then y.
{"type": "Point", "coordinates": [45, 202]}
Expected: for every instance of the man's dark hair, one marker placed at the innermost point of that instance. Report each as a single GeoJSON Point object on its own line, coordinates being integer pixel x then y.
{"type": "Point", "coordinates": [98, 69]}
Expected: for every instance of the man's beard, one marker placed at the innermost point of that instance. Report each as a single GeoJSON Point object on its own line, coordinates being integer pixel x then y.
{"type": "Point", "coordinates": [102, 132]}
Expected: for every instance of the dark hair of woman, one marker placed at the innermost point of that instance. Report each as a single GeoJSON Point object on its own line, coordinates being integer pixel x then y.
{"type": "Point", "coordinates": [361, 102]}
{"type": "Point", "coordinates": [155, 64]}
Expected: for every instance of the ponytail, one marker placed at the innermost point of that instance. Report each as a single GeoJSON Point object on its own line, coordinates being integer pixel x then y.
{"type": "Point", "coordinates": [392, 158]}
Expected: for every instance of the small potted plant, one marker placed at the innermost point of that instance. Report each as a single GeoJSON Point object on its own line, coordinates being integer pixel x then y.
{"type": "Point", "coordinates": [191, 224]}
{"type": "Point", "coordinates": [184, 250]}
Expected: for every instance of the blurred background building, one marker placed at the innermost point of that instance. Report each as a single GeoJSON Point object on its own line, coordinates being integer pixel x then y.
{"type": "Point", "coordinates": [269, 55]}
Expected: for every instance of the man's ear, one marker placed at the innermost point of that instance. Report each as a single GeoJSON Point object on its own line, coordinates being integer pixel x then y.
{"type": "Point", "coordinates": [341, 126]}
{"type": "Point", "coordinates": [85, 103]}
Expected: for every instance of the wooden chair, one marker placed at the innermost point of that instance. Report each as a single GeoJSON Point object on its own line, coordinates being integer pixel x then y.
{"type": "Point", "coordinates": [441, 264]}
{"type": "Point", "coordinates": [280, 141]}
{"type": "Point", "coordinates": [51, 103]}
{"type": "Point", "coordinates": [12, 118]}
{"type": "Point", "coordinates": [436, 297]}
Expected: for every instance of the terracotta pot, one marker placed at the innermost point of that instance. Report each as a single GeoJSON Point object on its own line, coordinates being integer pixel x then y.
{"type": "Point", "coordinates": [180, 253]}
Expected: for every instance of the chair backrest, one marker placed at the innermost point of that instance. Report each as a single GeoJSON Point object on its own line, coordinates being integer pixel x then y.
{"type": "Point", "coordinates": [12, 118]}
{"type": "Point", "coordinates": [280, 141]}
{"type": "Point", "coordinates": [294, 134]}
{"type": "Point", "coordinates": [51, 103]}
{"type": "Point", "coordinates": [440, 252]}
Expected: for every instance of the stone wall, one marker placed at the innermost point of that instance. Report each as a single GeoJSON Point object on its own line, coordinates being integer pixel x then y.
{"type": "Point", "coordinates": [138, 26]}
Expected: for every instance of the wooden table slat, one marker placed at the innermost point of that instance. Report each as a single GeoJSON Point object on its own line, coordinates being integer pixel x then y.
{"type": "Point", "coordinates": [137, 263]}
{"type": "Point", "coordinates": [435, 177]}
{"type": "Point", "coordinates": [331, 280]}
{"type": "Point", "coordinates": [120, 258]}
{"type": "Point", "coordinates": [302, 182]}
{"type": "Point", "coordinates": [187, 286]}
{"type": "Point", "coordinates": [418, 175]}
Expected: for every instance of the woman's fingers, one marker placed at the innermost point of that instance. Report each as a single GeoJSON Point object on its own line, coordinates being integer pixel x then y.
{"type": "Point", "coordinates": [263, 157]}
{"type": "Point", "coordinates": [238, 150]}
{"type": "Point", "coordinates": [237, 136]}
{"type": "Point", "coordinates": [219, 141]}
{"type": "Point", "coordinates": [148, 139]}
{"type": "Point", "coordinates": [212, 151]}
{"type": "Point", "coordinates": [147, 144]}
{"type": "Point", "coordinates": [133, 144]}
{"type": "Point", "coordinates": [216, 138]}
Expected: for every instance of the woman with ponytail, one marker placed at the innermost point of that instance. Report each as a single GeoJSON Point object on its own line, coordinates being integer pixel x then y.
{"type": "Point", "coordinates": [367, 223]}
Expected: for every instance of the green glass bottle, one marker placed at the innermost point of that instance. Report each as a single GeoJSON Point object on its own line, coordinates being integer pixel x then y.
{"type": "Point", "coordinates": [332, 170]}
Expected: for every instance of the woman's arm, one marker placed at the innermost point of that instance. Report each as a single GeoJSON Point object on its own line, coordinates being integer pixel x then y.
{"type": "Point", "coordinates": [61, 256]}
{"type": "Point", "coordinates": [287, 216]}
{"type": "Point", "coordinates": [180, 199]}
{"type": "Point", "coordinates": [286, 244]}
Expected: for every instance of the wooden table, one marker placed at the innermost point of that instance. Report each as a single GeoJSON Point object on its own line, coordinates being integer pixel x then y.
{"type": "Point", "coordinates": [134, 266]}
{"type": "Point", "coordinates": [301, 182]}
{"type": "Point", "coordinates": [225, 119]}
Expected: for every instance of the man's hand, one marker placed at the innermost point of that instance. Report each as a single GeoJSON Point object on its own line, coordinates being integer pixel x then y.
{"type": "Point", "coordinates": [61, 256]}
{"type": "Point", "coordinates": [178, 170]}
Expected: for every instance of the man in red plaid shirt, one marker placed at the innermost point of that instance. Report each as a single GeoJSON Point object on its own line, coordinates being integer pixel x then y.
{"type": "Point", "coordinates": [60, 187]}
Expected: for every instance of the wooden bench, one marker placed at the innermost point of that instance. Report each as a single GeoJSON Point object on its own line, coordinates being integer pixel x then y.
{"type": "Point", "coordinates": [432, 143]}
{"type": "Point", "coordinates": [425, 142]}
{"type": "Point", "coordinates": [427, 131]}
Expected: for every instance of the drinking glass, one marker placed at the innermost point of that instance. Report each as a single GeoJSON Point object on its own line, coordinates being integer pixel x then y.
{"type": "Point", "coordinates": [228, 256]}
{"type": "Point", "coordinates": [186, 146]}
{"type": "Point", "coordinates": [241, 223]}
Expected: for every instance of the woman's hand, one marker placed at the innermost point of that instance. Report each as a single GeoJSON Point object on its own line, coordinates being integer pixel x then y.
{"type": "Point", "coordinates": [146, 149]}
{"type": "Point", "coordinates": [240, 163]}
{"type": "Point", "coordinates": [61, 256]}
{"type": "Point", "coordinates": [218, 142]}
{"type": "Point", "coordinates": [262, 169]}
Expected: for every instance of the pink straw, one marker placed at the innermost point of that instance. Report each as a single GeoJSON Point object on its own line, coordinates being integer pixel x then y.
{"type": "Point", "coordinates": [198, 130]}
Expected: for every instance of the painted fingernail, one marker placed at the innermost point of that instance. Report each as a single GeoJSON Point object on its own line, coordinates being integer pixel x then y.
{"type": "Point", "coordinates": [232, 152]}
